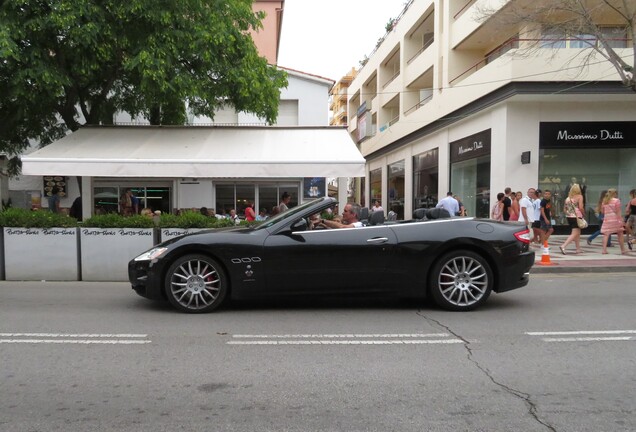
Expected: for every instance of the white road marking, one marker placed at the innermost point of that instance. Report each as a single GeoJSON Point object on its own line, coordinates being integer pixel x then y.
{"type": "Point", "coordinates": [328, 336]}
{"type": "Point", "coordinates": [76, 341]}
{"type": "Point", "coordinates": [79, 335]}
{"type": "Point", "coordinates": [585, 335]}
{"type": "Point", "coordinates": [75, 338]}
{"type": "Point", "coordinates": [347, 342]}
{"type": "Point", "coordinates": [344, 339]}
{"type": "Point", "coordinates": [580, 332]}
{"type": "Point", "coordinates": [588, 339]}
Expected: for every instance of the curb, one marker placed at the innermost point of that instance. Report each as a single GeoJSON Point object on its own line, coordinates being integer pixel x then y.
{"type": "Point", "coordinates": [628, 267]}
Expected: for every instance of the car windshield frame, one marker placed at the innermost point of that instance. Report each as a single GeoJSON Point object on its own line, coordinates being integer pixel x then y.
{"type": "Point", "coordinates": [291, 213]}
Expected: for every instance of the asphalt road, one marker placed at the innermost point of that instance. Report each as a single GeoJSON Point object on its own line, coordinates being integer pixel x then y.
{"type": "Point", "coordinates": [558, 355]}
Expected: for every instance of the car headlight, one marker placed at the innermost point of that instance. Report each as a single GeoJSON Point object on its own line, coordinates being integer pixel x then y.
{"type": "Point", "coordinates": [152, 254]}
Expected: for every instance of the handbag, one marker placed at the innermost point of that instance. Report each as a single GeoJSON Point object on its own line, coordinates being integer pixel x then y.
{"type": "Point", "coordinates": [580, 221]}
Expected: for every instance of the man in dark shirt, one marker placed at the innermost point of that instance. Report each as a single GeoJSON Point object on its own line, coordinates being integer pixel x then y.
{"type": "Point", "coordinates": [546, 216]}
{"type": "Point", "coordinates": [507, 203]}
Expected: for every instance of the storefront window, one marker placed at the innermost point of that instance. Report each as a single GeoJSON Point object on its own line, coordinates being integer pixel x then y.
{"type": "Point", "coordinates": [470, 182]}
{"type": "Point", "coordinates": [268, 198]}
{"type": "Point", "coordinates": [375, 183]}
{"type": "Point", "coordinates": [425, 179]}
{"type": "Point", "coordinates": [106, 198]}
{"type": "Point", "coordinates": [235, 196]}
{"type": "Point", "coordinates": [244, 194]}
{"type": "Point", "coordinates": [470, 173]}
{"type": "Point", "coordinates": [595, 155]}
{"type": "Point", "coordinates": [395, 188]}
{"type": "Point", "coordinates": [224, 199]}
{"type": "Point", "coordinates": [363, 200]}
{"type": "Point", "coordinates": [595, 170]}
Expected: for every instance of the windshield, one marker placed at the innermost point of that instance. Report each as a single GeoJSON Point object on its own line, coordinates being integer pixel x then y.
{"type": "Point", "coordinates": [289, 213]}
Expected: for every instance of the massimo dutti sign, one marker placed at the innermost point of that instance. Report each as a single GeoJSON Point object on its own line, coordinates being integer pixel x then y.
{"type": "Point", "coordinates": [470, 147]}
{"type": "Point", "coordinates": [587, 134]}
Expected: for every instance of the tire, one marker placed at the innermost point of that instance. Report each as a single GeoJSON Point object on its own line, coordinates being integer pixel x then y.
{"type": "Point", "coordinates": [196, 284]}
{"type": "Point", "coordinates": [460, 281]}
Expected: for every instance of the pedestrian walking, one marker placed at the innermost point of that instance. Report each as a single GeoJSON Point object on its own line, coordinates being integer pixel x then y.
{"type": "Point", "coordinates": [536, 225]}
{"type": "Point", "coordinates": [507, 204]}
{"type": "Point", "coordinates": [526, 210]}
{"type": "Point", "coordinates": [630, 225]}
{"type": "Point", "coordinates": [514, 207]}
{"type": "Point", "coordinates": [613, 222]}
{"type": "Point", "coordinates": [497, 209]}
{"type": "Point", "coordinates": [546, 216]}
{"type": "Point", "coordinates": [599, 215]}
{"type": "Point", "coordinates": [449, 204]}
{"type": "Point", "coordinates": [573, 209]}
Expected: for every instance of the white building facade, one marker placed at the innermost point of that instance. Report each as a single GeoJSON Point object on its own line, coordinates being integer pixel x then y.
{"type": "Point", "coordinates": [303, 116]}
{"type": "Point", "coordinates": [448, 102]}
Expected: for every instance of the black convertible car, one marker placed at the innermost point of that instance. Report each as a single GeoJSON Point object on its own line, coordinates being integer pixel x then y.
{"type": "Point", "coordinates": [455, 261]}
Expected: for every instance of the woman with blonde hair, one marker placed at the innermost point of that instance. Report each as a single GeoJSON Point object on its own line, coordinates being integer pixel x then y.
{"type": "Point", "coordinates": [613, 222]}
{"type": "Point", "coordinates": [573, 209]}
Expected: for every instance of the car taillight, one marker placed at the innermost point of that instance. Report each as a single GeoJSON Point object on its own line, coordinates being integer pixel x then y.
{"type": "Point", "coordinates": [523, 236]}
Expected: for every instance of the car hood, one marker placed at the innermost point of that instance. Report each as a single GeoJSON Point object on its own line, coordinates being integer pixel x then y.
{"type": "Point", "coordinates": [205, 236]}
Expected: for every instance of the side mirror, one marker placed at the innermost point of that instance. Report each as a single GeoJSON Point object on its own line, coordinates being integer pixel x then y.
{"type": "Point", "coordinates": [299, 225]}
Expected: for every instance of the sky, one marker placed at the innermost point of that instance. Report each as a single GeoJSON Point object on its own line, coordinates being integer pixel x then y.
{"type": "Point", "coordinates": [329, 37]}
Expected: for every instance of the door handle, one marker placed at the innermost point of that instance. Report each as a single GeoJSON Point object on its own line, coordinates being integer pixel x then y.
{"type": "Point", "coordinates": [378, 240]}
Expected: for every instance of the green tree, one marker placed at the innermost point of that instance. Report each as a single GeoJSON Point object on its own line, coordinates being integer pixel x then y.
{"type": "Point", "coordinates": [65, 63]}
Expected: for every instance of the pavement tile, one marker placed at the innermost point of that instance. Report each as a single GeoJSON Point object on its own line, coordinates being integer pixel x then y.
{"type": "Point", "coordinates": [589, 260]}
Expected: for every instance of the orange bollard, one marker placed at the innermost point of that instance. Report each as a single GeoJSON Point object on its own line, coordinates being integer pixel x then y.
{"type": "Point", "coordinates": [545, 256]}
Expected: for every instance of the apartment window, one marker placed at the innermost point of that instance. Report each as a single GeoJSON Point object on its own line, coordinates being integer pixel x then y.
{"type": "Point", "coordinates": [553, 39]}
{"type": "Point", "coordinates": [615, 36]}
{"type": "Point", "coordinates": [583, 40]}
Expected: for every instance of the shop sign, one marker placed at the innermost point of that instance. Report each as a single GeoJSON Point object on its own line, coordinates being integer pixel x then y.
{"type": "Point", "coordinates": [314, 187]}
{"type": "Point", "coordinates": [470, 147]}
{"type": "Point", "coordinates": [52, 181]}
{"type": "Point", "coordinates": [587, 134]}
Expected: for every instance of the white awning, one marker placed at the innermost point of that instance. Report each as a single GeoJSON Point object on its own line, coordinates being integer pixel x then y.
{"type": "Point", "coordinates": [199, 152]}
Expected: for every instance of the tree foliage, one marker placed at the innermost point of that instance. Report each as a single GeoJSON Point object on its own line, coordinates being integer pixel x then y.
{"type": "Point", "coordinates": [65, 63]}
{"type": "Point", "coordinates": [586, 21]}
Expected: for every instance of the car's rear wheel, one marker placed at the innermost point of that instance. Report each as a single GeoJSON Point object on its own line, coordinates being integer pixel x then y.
{"type": "Point", "coordinates": [460, 281]}
{"type": "Point", "coordinates": [196, 284]}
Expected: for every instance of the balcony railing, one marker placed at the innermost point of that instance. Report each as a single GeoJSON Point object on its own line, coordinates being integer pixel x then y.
{"type": "Point", "coordinates": [386, 84]}
{"type": "Point", "coordinates": [463, 9]}
{"type": "Point", "coordinates": [546, 43]}
{"type": "Point", "coordinates": [492, 55]}
{"type": "Point", "coordinates": [427, 44]}
{"type": "Point", "coordinates": [419, 105]}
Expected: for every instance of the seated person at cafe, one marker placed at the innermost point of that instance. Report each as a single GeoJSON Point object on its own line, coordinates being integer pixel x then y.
{"type": "Point", "coordinates": [350, 218]}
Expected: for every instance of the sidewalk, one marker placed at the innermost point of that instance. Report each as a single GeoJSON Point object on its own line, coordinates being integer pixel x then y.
{"type": "Point", "coordinates": [590, 260]}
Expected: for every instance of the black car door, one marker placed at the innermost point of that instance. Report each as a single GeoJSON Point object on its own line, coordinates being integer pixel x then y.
{"type": "Point", "coordinates": [329, 260]}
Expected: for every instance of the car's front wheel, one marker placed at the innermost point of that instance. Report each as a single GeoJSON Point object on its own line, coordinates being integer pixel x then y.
{"type": "Point", "coordinates": [461, 281]}
{"type": "Point", "coordinates": [196, 284]}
